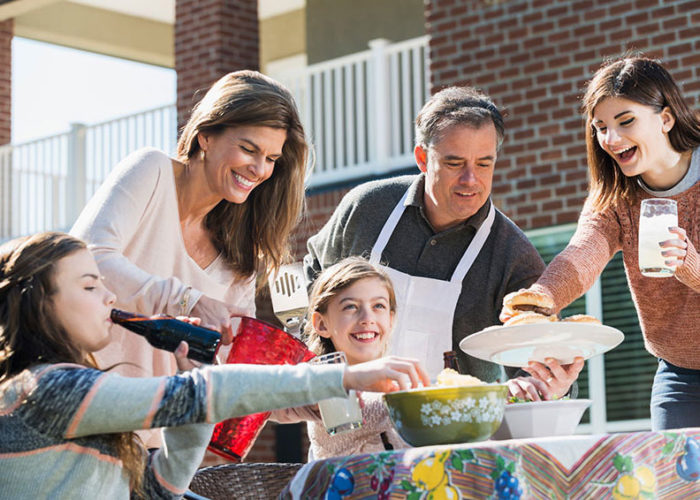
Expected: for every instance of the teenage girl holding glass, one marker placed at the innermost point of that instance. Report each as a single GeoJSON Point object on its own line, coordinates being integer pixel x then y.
{"type": "Point", "coordinates": [643, 141]}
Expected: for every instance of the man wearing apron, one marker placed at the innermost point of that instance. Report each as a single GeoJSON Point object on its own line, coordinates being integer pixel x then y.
{"type": "Point", "coordinates": [450, 253]}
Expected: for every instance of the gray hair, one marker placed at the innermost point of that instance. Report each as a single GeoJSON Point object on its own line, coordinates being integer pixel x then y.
{"type": "Point", "coordinates": [456, 106]}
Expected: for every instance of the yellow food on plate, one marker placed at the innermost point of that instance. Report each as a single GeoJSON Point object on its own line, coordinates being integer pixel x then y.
{"type": "Point", "coordinates": [450, 377]}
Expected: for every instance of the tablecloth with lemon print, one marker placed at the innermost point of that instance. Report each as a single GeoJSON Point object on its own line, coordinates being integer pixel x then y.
{"type": "Point", "coordinates": [637, 465]}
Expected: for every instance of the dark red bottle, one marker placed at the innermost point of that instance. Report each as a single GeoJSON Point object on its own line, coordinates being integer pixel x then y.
{"type": "Point", "coordinates": [165, 332]}
{"type": "Point", "coordinates": [451, 361]}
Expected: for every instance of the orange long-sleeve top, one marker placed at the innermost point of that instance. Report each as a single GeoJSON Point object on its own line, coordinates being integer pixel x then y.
{"type": "Point", "coordinates": [668, 308]}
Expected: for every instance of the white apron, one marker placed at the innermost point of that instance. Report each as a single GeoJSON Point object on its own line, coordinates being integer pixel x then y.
{"type": "Point", "coordinates": [426, 306]}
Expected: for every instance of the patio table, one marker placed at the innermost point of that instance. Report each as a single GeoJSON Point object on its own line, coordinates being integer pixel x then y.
{"type": "Point", "coordinates": [664, 465]}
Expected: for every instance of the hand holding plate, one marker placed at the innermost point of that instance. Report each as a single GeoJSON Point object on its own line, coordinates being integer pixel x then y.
{"type": "Point", "coordinates": [526, 388]}
{"type": "Point", "coordinates": [555, 379]}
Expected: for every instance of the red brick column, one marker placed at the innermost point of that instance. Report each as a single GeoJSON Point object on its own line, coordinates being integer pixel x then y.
{"type": "Point", "coordinates": [533, 57]}
{"type": "Point", "coordinates": [6, 33]}
{"type": "Point", "coordinates": [212, 38]}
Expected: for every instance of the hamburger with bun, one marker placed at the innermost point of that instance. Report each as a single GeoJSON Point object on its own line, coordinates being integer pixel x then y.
{"type": "Point", "coordinates": [528, 300]}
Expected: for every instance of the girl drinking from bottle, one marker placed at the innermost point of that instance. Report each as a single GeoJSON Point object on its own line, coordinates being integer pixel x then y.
{"type": "Point", "coordinates": [66, 427]}
{"type": "Point", "coordinates": [351, 309]}
{"type": "Point", "coordinates": [642, 141]}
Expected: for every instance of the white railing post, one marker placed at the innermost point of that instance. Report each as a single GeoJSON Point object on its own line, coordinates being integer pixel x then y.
{"type": "Point", "coordinates": [6, 192]}
{"type": "Point", "coordinates": [596, 365]}
{"type": "Point", "coordinates": [379, 118]}
{"type": "Point", "coordinates": [75, 175]}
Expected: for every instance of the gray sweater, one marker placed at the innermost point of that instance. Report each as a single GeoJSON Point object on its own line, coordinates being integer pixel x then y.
{"type": "Point", "coordinates": [507, 262]}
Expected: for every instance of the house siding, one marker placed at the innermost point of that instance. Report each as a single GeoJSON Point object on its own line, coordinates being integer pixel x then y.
{"type": "Point", "coordinates": [533, 57]}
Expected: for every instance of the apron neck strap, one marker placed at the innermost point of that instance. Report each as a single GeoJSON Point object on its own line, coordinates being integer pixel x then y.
{"type": "Point", "coordinates": [383, 238]}
{"type": "Point", "coordinates": [474, 247]}
{"type": "Point", "coordinates": [467, 259]}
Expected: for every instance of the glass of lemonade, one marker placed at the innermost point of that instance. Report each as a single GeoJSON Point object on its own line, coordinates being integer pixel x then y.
{"type": "Point", "coordinates": [339, 414]}
{"type": "Point", "coordinates": [656, 216]}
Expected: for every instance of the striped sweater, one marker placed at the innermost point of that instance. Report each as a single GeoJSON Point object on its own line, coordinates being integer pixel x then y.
{"type": "Point", "coordinates": [54, 421]}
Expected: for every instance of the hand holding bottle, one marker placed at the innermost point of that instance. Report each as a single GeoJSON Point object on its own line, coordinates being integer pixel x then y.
{"type": "Point", "coordinates": [183, 362]}
{"type": "Point", "coordinates": [166, 332]}
{"type": "Point", "coordinates": [217, 315]}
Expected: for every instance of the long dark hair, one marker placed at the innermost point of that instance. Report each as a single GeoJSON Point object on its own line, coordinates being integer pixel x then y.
{"type": "Point", "coordinates": [253, 235]}
{"type": "Point", "coordinates": [29, 332]}
{"type": "Point", "coordinates": [646, 82]}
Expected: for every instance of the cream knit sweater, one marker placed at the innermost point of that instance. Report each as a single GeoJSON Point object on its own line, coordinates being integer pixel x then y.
{"type": "Point", "coordinates": [132, 227]}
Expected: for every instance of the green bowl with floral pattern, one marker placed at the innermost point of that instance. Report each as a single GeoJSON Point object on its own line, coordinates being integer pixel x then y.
{"type": "Point", "coordinates": [446, 415]}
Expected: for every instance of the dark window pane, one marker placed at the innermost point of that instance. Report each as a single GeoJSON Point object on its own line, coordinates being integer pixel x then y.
{"type": "Point", "coordinates": [629, 368]}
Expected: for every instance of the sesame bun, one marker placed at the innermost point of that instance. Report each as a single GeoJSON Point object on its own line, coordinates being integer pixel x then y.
{"type": "Point", "coordinates": [582, 318]}
{"type": "Point", "coordinates": [529, 317]}
{"type": "Point", "coordinates": [528, 300]}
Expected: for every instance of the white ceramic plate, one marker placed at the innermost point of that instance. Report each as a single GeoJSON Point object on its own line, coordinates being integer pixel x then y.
{"type": "Point", "coordinates": [561, 340]}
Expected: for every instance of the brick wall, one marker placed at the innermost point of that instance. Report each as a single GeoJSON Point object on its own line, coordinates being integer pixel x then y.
{"type": "Point", "coordinates": [6, 31]}
{"type": "Point", "coordinates": [533, 57]}
{"type": "Point", "coordinates": [319, 207]}
{"type": "Point", "coordinates": [212, 38]}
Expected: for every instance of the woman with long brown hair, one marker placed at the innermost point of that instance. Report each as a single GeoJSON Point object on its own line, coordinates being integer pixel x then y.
{"type": "Point", "coordinates": [66, 426]}
{"type": "Point", "coordinates": [643, 141]}
{"type": "Point", "coordinates": [186, 235]}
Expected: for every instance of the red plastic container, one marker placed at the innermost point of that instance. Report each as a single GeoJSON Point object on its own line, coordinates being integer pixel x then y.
{"type": "Point", "coordinates": [259, 343]}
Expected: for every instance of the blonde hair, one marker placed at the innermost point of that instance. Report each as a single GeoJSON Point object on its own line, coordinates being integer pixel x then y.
{"type": "Point", "coordinates": [332, 281]}
{"type": "Point", "coordinates": [253, 236]}
{"type": "Point", "coordinates": [646, 82]}
{"type": "Point", "coordinates": [29, 332]}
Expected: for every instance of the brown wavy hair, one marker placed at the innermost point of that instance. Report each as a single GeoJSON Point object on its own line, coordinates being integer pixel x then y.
{"type": "Point", "coordinates": [331, 282]}
{"type": "Point", "coordinates": [646, 82]}
{"type": "Point", "coordinates": [29, 332]}
{"type": "Point", "coordinates": [253, 235]}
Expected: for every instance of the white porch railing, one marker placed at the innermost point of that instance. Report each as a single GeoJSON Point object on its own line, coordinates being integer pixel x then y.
{"type": "Point", "coordinates": [358, 111]}
{"type": "Point", "coordinates": [45, 183]}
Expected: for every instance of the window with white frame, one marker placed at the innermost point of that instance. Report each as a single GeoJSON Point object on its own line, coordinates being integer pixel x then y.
{"type": "Point", "coordinates": [620, 383]}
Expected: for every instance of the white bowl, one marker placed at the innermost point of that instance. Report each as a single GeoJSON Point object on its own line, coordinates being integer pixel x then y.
{"type": "Point", "coordinates": [541, 418]}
